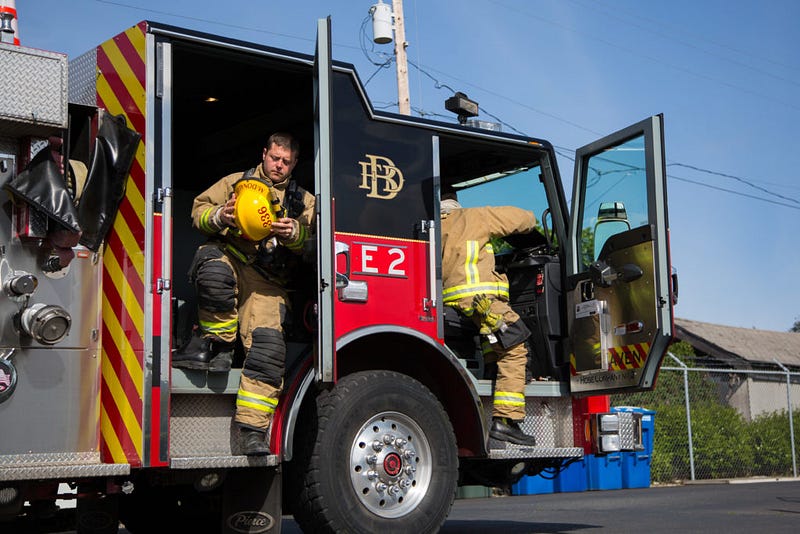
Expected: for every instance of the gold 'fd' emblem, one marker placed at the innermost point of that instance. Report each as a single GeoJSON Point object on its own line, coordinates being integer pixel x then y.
{"type": "Point", "coordinates": [380, 176]}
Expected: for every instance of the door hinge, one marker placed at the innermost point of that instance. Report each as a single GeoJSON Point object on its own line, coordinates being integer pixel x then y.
{"type": "Point", "coordinates": [161, 193]}
{"type": "Point", "coordinates": [163, 284]}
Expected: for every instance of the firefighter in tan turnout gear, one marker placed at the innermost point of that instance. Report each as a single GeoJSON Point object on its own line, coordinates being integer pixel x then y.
{"type": "Point", "coordinates": [258, 222]}
{"type": "Point", "coordinates": [472, 286]}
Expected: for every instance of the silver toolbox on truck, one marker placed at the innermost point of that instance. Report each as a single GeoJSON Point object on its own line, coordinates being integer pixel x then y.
{"type": "Point", "coordinates": [33, 91]}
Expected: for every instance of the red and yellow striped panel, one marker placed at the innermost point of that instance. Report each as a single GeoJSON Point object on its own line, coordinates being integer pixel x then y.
{"type": "Point", "coordinates": [121, 90]}
{"type": "Point", "coordinates": [628, 356]}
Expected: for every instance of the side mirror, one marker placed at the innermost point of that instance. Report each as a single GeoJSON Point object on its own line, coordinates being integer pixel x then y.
{"type": "Point", "coordinates": [612, 219]}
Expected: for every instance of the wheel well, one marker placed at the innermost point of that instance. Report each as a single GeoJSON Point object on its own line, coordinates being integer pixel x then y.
{"type": "Point", "coordinates": [430, 365]}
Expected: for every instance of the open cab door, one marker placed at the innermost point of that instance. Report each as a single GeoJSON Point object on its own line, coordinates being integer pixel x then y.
{"type": "Point", "coordinates": [619, 304]}
{"type": "Point", "coordinates": [324, 202]}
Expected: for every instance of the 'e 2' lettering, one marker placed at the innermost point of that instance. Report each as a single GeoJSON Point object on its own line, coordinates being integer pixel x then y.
{"type": "Point", "coordinates": [383, 260]}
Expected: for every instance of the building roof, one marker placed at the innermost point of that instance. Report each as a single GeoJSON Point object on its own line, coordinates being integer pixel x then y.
{"type": "Point", "coordinates": [732, 344]}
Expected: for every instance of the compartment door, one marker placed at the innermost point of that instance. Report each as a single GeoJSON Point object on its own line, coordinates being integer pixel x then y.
{"type": "Point", "coordinates": [324, 364]}
{"type": "Point", "coordinates": [618, 303]}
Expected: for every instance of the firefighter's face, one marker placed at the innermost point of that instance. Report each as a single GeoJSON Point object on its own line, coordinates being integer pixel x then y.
{"type": "Point", "coordinates": [278, 163]}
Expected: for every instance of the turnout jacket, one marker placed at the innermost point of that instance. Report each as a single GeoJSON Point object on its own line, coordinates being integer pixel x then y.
{"type": "Point", "coordinates": [468, 266]}
{"type": "Point", "coordinates": [209, 201]}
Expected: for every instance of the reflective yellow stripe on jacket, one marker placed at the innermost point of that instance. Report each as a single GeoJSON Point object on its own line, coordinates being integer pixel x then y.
{"type": "Point", "coordinates": [473, 285]}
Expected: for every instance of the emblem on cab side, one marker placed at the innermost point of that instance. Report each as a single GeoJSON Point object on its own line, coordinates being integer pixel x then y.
{"type": "Point", "coordinates": [380, 177]}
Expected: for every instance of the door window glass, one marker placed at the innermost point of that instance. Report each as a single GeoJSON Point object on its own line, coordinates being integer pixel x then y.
{"type": "Point", "coordinates": [615, 196]}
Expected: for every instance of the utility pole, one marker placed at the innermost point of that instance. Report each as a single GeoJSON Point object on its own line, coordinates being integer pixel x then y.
{"type": "Point", "coordinates": [400, 44]}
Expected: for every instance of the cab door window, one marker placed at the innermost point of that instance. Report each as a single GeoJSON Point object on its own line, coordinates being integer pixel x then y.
{"type": "Point", "coordinates": [616, 197]}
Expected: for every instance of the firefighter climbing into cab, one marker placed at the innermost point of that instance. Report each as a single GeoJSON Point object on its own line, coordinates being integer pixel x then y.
{"type": "Point", "coordinates": [471, 285]}
{"type": "Point", "coordinates": [258, 223]}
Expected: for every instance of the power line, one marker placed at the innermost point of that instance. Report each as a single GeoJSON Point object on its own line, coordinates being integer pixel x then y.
{"type": "Point", "coordinates": [649, 58]}
{"type": "Point", "coordinates": [215, 22]}
{"type": "Point", "coordinates": [655, 23]}
{"type": "Point", "coordinates": [381, 66]}
{"type": "Point", "coordinates": [439, 85]}
{"type": "Point", "coordinates": [733, 192]}
{"type": "Point", "coordinates": [653, 29]}
{"type": "Point", "coordinates": [742, 180]}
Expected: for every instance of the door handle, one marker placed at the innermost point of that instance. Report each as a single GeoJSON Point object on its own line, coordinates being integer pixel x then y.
{"type": "Point", "coordinates": [604, 275]}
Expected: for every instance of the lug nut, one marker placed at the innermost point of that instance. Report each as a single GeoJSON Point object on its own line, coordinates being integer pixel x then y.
{"type": "Point", "coordinates": [393, 490]}
{"type": "Point", "coordinates": [372, 475]}
{"type": "Point", "coordinates": [377, 446]}
{"type": "Point", "coordinates": [409, 453]}
{"type": "Point", "coordinates": [372, 459]}
{"type": "Point", "coordinates": [388, 439]}
{"type": "Point", "coordinates": [381, 486]}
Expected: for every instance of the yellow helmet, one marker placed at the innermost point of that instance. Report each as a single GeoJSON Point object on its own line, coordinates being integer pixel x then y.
{"type": "Point", "coordinates": [253, 211]}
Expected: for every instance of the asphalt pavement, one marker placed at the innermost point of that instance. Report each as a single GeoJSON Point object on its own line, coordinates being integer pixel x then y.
{"type": "Point", "coordinates": [728, 507]}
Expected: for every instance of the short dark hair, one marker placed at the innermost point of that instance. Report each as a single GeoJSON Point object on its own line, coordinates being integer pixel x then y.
{"type": "Point", "coordinates": [285, 140]}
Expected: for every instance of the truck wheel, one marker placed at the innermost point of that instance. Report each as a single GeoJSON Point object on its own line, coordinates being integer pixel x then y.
{"type": "Point", "coordinates": [383, 458]}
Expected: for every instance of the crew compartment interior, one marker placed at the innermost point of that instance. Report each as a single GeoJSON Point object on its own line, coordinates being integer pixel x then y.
{"type": "Point", "coordinates": [486, 172]}
{"type": "Point", "coordinates": [225, 102]}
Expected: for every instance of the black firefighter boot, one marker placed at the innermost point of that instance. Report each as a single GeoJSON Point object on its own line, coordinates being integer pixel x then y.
{"type": "Point", "coordinates": [253, 442]}
{"type": "Point", "coordinates": [206, 354]}
{"type": "Point", "coordinates": [505, 429]}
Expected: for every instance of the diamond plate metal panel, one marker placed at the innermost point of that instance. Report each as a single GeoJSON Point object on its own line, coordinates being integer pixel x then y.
{"type": "Point", "coordinates": [56, 458]}
{"type": "Point", "coordinates": [33, 91]}
{"type": "Point", "coordinates": [219, 462]}
{"type": "Point", "coordinates": [201, 427]}
{"type": "Point", "coordinates": [630, 431]}
{"type": "Point", "coordinates": [549, 419]}
{"type": "Point", "coordinates": [57, 465]}
{"type": "Point", "coordinates": [83, 79]}
{"type": "Point", "coordinates": [64, 472]}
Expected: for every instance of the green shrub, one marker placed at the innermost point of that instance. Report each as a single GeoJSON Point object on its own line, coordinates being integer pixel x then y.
{"type": "Point", "coordinates": [771, 443]}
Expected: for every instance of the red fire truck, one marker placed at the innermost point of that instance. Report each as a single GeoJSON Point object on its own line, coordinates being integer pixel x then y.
{"type": "Point", "coordinates": [386, 405]}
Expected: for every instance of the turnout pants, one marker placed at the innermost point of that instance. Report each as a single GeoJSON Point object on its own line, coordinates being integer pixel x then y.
{"type": "Point", "coordinates": [511, 355]}
{"type": "Point", "coordinates": [235, 297]}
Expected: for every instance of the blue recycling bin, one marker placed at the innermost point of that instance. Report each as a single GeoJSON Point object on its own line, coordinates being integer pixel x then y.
{"type": "Point", "coordinates": [636, 465]}
{"type": "Point", "coordinates": [534, 485]}
{"type": "Point", "coordinates": [605, 471]}
{"type": "Point", "coordinates": [574, 477]}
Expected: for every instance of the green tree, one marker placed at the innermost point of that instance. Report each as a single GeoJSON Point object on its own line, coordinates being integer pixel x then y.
{"type": "Point", "coordinates": [796, 326]}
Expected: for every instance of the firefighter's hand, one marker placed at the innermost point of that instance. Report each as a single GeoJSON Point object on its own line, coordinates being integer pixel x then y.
{"type": "Point", "coordinates": [285, 228]}
{"type": "Point", "coordinates": [226, 212]}
{"type": "Point", "coordinates": [490, 322]}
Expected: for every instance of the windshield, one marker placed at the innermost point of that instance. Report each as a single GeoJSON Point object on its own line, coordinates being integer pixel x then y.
{"type": "Point", "coordinates": [522, 188]}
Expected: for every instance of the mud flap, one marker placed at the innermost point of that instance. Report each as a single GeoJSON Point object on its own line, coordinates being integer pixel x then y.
{"type": "Point", "coordinates": [252, 501]}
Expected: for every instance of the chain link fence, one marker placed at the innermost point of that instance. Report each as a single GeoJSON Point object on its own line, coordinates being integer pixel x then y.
{"type": "Point", "coordinates": [715, 423]}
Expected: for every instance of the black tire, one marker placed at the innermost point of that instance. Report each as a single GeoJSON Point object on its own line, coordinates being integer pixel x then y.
{"type": "Point", "coordinates": [381, 457]}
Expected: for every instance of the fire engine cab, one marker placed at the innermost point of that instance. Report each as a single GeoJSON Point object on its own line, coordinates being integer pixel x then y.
{"type": "Point", "coordinates": [387, 401]}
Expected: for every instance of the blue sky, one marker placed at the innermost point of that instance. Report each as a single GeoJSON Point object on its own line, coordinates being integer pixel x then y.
{"type": "Point", "coordinates": [726, 76]}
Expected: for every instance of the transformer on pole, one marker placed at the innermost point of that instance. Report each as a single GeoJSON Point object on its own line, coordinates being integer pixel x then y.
{"type": "Point", "coordinates": [382, 34]}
